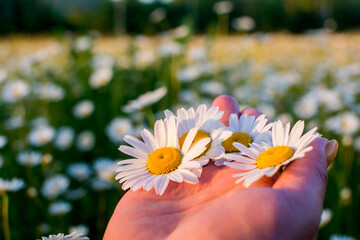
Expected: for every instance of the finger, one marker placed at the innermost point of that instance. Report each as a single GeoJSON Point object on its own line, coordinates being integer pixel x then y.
{"type": "Point", "coordinates": [304, 181]}
{"type": "Point", "coordinates": [228, 105]}
{"type": "Point", "coordinates": [251, 111]}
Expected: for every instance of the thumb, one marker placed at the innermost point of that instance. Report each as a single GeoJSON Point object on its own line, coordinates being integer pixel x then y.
{"type": "Point", "coordinates": [228, 105]}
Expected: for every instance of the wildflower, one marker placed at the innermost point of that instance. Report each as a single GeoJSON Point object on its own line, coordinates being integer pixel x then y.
{"type": "Point", "coordinates": [101, 77]}
{"type": "Point", "coordinates": [3, 141]}
{"type": "Point", "coordinates": [244, 23]}
{"type": "Point", "coordinates": [79, 170]}
{"type": "Point", "coordinates": [82, 44]}
{"type": "Point", "coordinates": [64, 138]}
{"type": "Point", "coordinates": [223, 7]}
{"type": "Point", "coordinates": [15, 90]}
{"type": "Point", "coordinates": [29, 158]}
{"type": "Point", "coordinates": [346, 123]}
{"type": "Point", "coordinates": [212, 88]}
{"type": "Point", "coordinates": [51, 92]}
{"type": "Point", "coordinates": [209, 126]}
{"type": "Point", "coordinates": [266, 159]}
{"type": "Point", "coordinates": [12, 185]}
{"type": "Point", "coordinates": [79, 229]}
{"type": "Point", "coordinates": [85, 141]}
{"type": "Point", "coordinates": [61, 236]}
{"type": "Point", "coordinates": [83, 109]}
{"type": "Point", "coordinates": [160, 158]}
{"type": "Point", "coordinates": [55, 186]}
{"type": "Point", "coordinates": [117, 128]}
{"type": "Point", "coordinates": [245, 130]}
{"type": "Point", "coordinates": [326, 216]}
{"type": "Point", "coordinates": [59, 208]}
{"type": "Point", "coordinates": [41, 135]}
{"type": "Point", "coordinates": [145, 100]}
{"type": "Point", "coordinates": [105, 168]}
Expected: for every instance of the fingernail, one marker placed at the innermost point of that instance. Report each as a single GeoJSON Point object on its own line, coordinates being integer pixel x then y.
{"type": "Point", "coordinates": [331, 151]}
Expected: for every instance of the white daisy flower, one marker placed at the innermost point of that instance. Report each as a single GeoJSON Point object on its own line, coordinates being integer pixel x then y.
{"type": "Point", "coordinates": [3, 141]}
{"type": "Point", "coordinates": [12, 185]}
{"type": "Point", "coordinates": [209, 126]}
{"type": "Point", "coordinates": [15, 90]}
{"type": "Point", "coordinates": [55, 186]}
{"type": "Point", "coordinates": [50, 91]}
{"type": "Point", "coordinates": [145, 100]}
{"type": "Point", "coordinates": [245, 130]}
{"type": "Point", "coordinates": [326, 216]}
{"type": "Point", "coordinates": [101, 77]}
{"type": "Point", "coordinates": [79, 229]}
{"type": "Point", "coordinates": [85, 141]}
{"type": "Point", "coordinates": [267, 159]}
{"type": "Point", "coordinates": [59, 208]}
{"type": "Point", "coordinates": [79, 170]}
{"type": "Point", "coordinates": [83, 109]}
{"type": "Point", "coordinates": [117, 128]}
{"type": "Point", "coordinates": [61, 236]}
{"type": "Point", "coordinates": [160, 159]}
{"type": "Point", "coordinates": [64, 138]}
{"type": "Point", "coordinates": [29, 158]}
{"type": "Point", "coordinates": [105, 168]}
{"type": "Point", "coordinates": [41, 135]}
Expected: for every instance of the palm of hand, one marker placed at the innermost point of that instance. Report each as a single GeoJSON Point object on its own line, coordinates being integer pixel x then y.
{"type": "Point", "coordinates": [216, 208]}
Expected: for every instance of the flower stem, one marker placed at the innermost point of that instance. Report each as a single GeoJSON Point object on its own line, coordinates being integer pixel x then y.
{"type": "Point", "coordinates": [5, 215]}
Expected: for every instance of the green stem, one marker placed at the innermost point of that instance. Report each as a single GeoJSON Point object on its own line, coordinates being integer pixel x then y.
{"type": "Point", "coordinates": [5, 215]}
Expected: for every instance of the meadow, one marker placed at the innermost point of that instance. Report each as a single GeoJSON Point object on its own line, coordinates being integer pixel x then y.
{"type": "Point", "coordinates": [66, 102]}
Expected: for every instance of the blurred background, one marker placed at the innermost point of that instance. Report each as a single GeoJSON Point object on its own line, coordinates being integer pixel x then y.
{"type": "Point", "coordinates": [76, 76]}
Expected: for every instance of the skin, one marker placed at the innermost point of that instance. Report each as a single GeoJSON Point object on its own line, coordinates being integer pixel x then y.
{"type": "Point", "coordinates": [284, 207]}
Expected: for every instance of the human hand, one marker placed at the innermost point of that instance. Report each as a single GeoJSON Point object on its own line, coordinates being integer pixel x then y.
{"type": "Point", "coordinates": [287, 207]}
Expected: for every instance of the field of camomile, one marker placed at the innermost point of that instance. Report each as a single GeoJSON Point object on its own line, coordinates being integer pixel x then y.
{"type": "Point", "coordinates": [67, 102]}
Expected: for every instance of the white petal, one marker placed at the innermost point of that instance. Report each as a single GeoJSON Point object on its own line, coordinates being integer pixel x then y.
{"type": "Point", "coordinates": [189, 177]}
{"type": "Point", "coordinates": [132, 152]}
{"type": "Point", "coordinates": [215, 153]}
{"type": "Point", "coordinates": [189, 139]}
{"type": "Point", "coordinates": [237, 157]}
{"type": "Point", "coordinates": [160, 133]}
{"type": "Point", "coordinates": [296, 132]}
{"type": "Point", "coordinates": [240, 166]}
{"type": "Point", "coordinates": [196, 149]}
{"type": "Point", "coordinates": [172, 137]}
{"type": "Point", "coordinates": [149, 139]}
{"type": "Point", "coordinates": [136, 143]}
{"type": "Point", "coordinates": [234, 122]}
{"type": "Point", "coordinates": [176, 176]}
{"type": "Point", "coordinates": [190, 164]}
{"type": "Point", "coordinates": [244, 150]}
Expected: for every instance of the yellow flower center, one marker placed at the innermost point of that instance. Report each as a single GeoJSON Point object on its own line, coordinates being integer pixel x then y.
{"type": "Point", "coordinates": [239, 137]}
{"type": "Point", "coordinates": [274, 156]}
{"type": "Point", "coordinates": [200, 134]}
{"type": "Point", "coordinates": [163, 160]}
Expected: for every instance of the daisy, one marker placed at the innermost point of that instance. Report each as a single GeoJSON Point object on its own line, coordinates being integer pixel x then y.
{"type": "Point", "coordinates": [83, 109]}
{"type": "Point", "coordinates": [61, 236]}
{"type": "Point", "coordinates": [59, 208]}
{"type": "Point", "coordinates": [55, 186]}
{"type": "Point", "coordinates": [267, 159]}
{"type": "Point", "coordinates": [12, 185]}
{"type": "Point", "coordinates": [145, 100]}
{"type": "Point", "coordinates": [117, 128]}
{"type": "Point", "coordinates": [245, 130]}
{"type": "Point", "coordinates": [101, 77]}
{"type": "Point", "coordinates": [41, 135]}
{"type": "Point", "coordinates": [209, 126]}
{"type": "Point", "coordinates": [160, 158]}
{"type": "Point", "coordinates": [15, 90]}
{"type": "Point", "coordinates": [104, 168]}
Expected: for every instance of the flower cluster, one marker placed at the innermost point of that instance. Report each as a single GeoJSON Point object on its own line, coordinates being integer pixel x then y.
{"type": "Point", "coordinates": [183, 143]}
